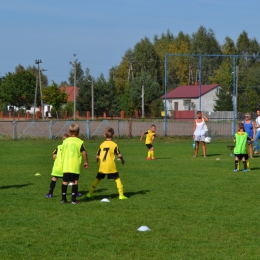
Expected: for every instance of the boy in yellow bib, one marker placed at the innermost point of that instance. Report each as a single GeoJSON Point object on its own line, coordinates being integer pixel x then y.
{"type": "Point", "coordinates": [150, 134]}
{"type": "Point", "coordinates": [72, 151]}
{"type": "Point", "coordinates": [240, 151]}
{"type": "Point", "coordinates": [57, 168]}
{"type": "Point", "coordinates": [106, 164]}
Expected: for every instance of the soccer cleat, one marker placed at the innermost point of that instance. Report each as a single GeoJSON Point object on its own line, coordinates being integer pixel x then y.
{"type": "Point", "coordinates": [122, 197]}
{"type": "Point", "coordinates": [89, 196]}
{"type": "Point", "coordinates": [79, 194]}
{"type": "Point", "coordinates": [153, 158]}
{"type": "Point", "coordinates": [236, 170]}
{"type": "Point", "coordinates": [148, 158]}
{"type": "Point", "coordinates": [64, 201]}
{"type": "Point", "coordinates": [49, 195]}
{"type": "Point", "coordinates": [245, 170]}
{"type": "Point", "coordinates": [75, 202]}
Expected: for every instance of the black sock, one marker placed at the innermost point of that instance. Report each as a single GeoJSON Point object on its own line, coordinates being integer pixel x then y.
{"type": "Point", "coordinates": [64, 191]}
{"type": "Point", "coordinates": [244, 163]}
{"type": "Point", "coordinates": [74, 192]}
{"type": "Point", "coordinates": [52, 187]}
{"type": "Point", "coordinates": [236, 164]}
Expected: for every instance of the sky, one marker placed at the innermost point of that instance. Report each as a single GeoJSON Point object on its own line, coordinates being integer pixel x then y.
{"type": "Point", "coordinates": [99, 32]}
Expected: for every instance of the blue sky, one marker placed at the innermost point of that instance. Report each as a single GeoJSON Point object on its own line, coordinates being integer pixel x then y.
{"type": "Point", "coordinates": [99, 32]}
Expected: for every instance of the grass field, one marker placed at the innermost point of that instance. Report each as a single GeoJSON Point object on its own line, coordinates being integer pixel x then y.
{"type": "Point", "coordinates": [196, 208]}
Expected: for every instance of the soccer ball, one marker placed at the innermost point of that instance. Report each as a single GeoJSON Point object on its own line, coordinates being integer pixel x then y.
{"type": "Point", "coordinates": [207, 140]}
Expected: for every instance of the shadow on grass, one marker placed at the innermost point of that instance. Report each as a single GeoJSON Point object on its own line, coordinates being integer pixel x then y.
{"type": "Point", "coordinates": [165, 158]}
{"type": "Point", "coordinates": [115, 195]}
{"type": "Point", "coordinates": [96, 191]}
{"type": "Point", "coordinates": [254, 168]}
{"type": "Point", "coordinates": [214, 154]}
{"type": "Point", "coordinates": [18, 186]}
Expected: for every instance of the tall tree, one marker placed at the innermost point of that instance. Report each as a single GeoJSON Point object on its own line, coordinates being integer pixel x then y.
{"type": "Point", "coordinates": [145, 58]}
{"type": "Point", "coordinates": [79, 74]}
{"type": "Point", "coordinates": [106, 99]}
{"type": "Point", "coordinates": [228, 46]}
{"type": "Point", "coordinates": [181, 45]}
{"type": "Point", "coordinates": [18, 89]}
{"type": "Point", "coordinates": [162, 46]}
{"type": "Point", "coordinates": [223, 77]}
{"type": "Point", "coordinates": [152, 91]}
{"type": "Point", "coordinates": [55, 96]}
{"type": "Point", "coordinates": [84, 96]}
{"type": "Point", "coordinates": [204, 42]}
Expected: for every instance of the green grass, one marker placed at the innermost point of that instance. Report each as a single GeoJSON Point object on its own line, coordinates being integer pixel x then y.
{"type": "Point", "coordinates": [196, 208]}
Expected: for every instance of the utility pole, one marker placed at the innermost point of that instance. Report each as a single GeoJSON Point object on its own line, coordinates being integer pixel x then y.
{"type": "Point", "coordinates": [237, 71]}
{"type": "Point", "coordinates": [142, 101]}
{"type": "Point", "coordinates": [92, 97]}
{"type": "Point", "coordinates": [35, 97]}
{"type": "Point", "coordinates": [130, 71]}
{"type": "Point", "coordinates": [75, 64]}
{"type": "Point", "coordinates": [39, 77]}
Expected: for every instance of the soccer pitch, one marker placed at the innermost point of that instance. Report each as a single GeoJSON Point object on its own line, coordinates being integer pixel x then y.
{"type": "Point", "coordinates": [196, 208]}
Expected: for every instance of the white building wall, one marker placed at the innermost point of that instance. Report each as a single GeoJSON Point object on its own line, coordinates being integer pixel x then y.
{"type": "Point", "coordinates": [207, 102]}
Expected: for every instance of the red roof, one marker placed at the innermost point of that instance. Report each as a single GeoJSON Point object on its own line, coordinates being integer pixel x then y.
{"type": "Point", "coordinates": [70, 91]}
{"type": "Point", "coordinates": [189, 91]}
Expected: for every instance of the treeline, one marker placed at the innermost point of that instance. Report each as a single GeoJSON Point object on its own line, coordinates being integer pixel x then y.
{"type": "Point", "coordinates": [144, 66]}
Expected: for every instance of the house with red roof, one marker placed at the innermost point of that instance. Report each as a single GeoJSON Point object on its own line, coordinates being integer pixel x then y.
{"type": "Point", "coordinates": [70, 91]}
{"type": "Point", "coordinates": [188, 98]}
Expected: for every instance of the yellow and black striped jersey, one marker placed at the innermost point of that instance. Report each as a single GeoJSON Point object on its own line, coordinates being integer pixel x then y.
{"type": "Point", "coordinates": [107, 152]}
{"type": "Point", "coordinates": [149, 136]}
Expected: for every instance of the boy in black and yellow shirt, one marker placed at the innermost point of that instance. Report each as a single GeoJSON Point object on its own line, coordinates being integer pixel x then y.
{"type": "Point", "coordinates": [106, 164]}
{"type": "Point", "coordinates": [150, 134]}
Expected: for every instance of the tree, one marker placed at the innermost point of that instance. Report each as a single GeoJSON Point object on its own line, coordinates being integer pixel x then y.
{"type": "Point", "coordinates": [249, 100]}
{"type": "Point", "coordinates": [64, 84]}
{"type": "Point", "coordinates": [79, 74]}
{"type": "Point", "coordinates": [83, 103]}
{"type": "Point", "coordinates": [223, 77]}
{"type": "Point", "coordinates": [2, 79]}
{"type": "Point", "coordinates": [156, 107]}
{"type": "Point", "coordinates": [204, 42]}
{"type": "Point", "coordinates": [18, 89]}
{"type": "Point", "coordinates": [145, 58]}
{"type": "Point", "coordinates": [34, 71]}
{"type": "Point", "coordinates": [181, 45]}
{"type": "Point", "coordinates": [55, 96]}
{"type": "Point", "coordinates": [162, 46]}
{"type": "Point", "coordinates": [152, 91]}
{"type": "Point", "coordinates": [106, 99]}
{"type": "Point", "coordinates": [228, 47]}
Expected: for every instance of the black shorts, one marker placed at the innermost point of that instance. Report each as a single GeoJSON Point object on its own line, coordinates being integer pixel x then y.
{"type": "Point", "coordinates": [149, 146]}
{"type": "Point", "coordinates": [240, 156]}
{"type": "Point", "coordinates": [67, 177]}
{"type": "Point", "coordinates": [101, 176]}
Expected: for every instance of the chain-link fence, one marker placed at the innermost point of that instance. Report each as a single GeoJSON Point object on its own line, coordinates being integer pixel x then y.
{"type": "Point", "coordinates": [15, 130]}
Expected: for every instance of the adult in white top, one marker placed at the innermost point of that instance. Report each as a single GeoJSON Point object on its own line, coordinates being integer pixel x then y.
{"type": "Point", "coordinates": [257, 126]}
{"type": "Point", "coordinates": [199, 133]}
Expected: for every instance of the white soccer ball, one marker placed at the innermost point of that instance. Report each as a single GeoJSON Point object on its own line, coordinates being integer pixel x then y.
{"type": "Point", "coordinates": [207, 140]}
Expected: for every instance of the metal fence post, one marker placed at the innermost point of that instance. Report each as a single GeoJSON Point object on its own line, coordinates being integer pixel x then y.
{"type": "Point", "coordinates": [88, 129]}
{"type": "Point", "coordinates": [120, 127]}
{"type": "Point", "coordinates": [15, 130]}
{"type": "Point", "coordinates": [130, 128]}
{"type": "Point", "coordinates": [50, 129]}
